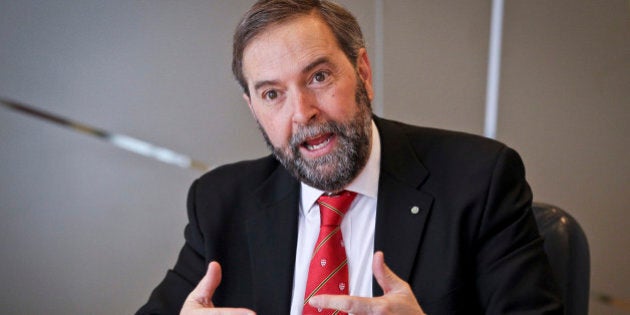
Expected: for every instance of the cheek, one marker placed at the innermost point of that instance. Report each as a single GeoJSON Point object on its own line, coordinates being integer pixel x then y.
{"type": "Point", "coordinates": [340, 103]}
{"type": "Point", "coordinates": [277, 128]}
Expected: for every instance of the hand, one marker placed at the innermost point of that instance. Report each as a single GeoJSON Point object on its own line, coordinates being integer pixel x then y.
{"type": "Point", "coordinates": [397, 299]}
{"type": "Point", "coordinates": [199, 301]}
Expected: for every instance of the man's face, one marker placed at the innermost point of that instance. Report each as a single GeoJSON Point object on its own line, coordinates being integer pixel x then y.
{"type": "Point", "coordinates": [311, 103]}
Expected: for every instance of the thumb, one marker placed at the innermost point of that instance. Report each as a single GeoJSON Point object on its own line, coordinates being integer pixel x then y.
{"type": "Point", "coordinates": [385, 277]}
{"type": "Point", "coordinates": [204, 291]}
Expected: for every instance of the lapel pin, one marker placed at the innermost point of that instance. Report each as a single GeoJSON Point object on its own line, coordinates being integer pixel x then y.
{"type": "Point", "coordinates": [415, 210]}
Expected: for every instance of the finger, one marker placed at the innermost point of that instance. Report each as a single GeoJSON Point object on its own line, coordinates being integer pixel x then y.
{"type": "Point", "coordinates": [385, 277]}
{"type": "Point", "coordinates": [344, 303]}
{"type": "Point", "coordinates": [204, 291]}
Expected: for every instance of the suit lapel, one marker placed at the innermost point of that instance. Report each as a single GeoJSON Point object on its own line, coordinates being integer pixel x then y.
{"type": "Point", "coordinates": [272, 229]}
{"type": "Point", "coordinates": [272, 237]}
{"type": "Point", "coordinates": [403, 207]}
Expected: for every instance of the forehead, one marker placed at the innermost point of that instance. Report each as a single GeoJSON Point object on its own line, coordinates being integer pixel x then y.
{"type": "Point", "coordinates": [289, 46]}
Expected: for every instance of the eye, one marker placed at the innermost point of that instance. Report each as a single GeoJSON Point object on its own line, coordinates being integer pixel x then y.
{"type": "Point", "coordinates": [320, 76]}
{"type": "Point", "coordinates": [270, 95]}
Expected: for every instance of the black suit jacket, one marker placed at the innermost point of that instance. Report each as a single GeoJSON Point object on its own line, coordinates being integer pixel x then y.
{"type": "Point", "coordinates": [473, 247]}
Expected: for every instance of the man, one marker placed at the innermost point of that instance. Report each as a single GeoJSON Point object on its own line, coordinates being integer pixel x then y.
{"type": "Point", "coordinates": [436, 218]}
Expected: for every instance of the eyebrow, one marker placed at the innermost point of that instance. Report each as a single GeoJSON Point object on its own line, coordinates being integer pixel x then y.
{"type": "Point", "coordinates": [308, 68]}
{"type": "Point", "coordinates": [260, 84]}
{"type": "Point", "coordinates": [314, 64]}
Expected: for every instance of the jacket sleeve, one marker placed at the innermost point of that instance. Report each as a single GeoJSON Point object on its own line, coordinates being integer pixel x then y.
{"type": "Point", "coordinates": [513, 272]}
{"type": "Point", "coordinates": [168, 297]}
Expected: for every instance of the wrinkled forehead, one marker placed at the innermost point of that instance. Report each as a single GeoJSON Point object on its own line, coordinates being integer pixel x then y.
{"type": "Point", "coordinates": [288, 44]}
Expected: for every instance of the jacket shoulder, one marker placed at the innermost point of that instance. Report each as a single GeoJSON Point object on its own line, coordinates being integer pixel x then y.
{"type": "Point", "coordinates": [432, 144]}
{"type": "Point", "coordinates": [243, 175]}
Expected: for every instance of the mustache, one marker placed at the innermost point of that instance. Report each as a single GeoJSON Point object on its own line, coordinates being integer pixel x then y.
{"type": "Point", "coordinates": [309, 131]}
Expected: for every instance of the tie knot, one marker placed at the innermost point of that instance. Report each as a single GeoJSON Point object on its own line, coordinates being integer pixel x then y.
{"type": "Point", "coordinates": [333, 208]}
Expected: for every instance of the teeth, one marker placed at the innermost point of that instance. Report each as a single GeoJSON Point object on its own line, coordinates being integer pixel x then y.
{"type": "Point", "coordinates": [318, 146]}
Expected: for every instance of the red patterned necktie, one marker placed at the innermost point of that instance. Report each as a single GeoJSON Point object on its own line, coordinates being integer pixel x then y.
{"type": "Point", "coordinates": [328, 271]}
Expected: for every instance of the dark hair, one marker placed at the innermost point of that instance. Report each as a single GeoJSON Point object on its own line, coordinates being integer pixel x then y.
{"type": "Point", "coordinates": [265, 13]}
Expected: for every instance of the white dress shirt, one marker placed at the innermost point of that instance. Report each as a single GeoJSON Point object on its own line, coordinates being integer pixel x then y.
{"type": "Point", "coordinates": [357, 230]}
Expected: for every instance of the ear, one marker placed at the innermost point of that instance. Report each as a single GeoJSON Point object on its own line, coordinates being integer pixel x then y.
{"type": "Point", "coordinates": [365, 71]}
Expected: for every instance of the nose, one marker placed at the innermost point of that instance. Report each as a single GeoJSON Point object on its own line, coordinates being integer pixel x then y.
{"type": "Point", "coordinates": [304, 107]}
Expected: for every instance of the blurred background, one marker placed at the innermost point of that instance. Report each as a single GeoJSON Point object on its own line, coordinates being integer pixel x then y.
{"type": "Point", "coordinates": [87, 228]}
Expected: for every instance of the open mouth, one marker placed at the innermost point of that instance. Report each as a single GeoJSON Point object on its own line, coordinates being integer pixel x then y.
{"type": "Point", "coordinates": [319, 142]}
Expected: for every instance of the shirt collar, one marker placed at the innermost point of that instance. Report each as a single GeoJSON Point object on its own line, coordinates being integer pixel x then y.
{"type": "Point", "coordinates": [366, 183]}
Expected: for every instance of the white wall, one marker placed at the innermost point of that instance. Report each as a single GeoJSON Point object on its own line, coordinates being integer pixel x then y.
{"type": "Point", "coordinates": [565, 106]}
{"type": "Point", "coordinates": [88, 228]}
{"type": "Point", "coordinates": [435, 60]}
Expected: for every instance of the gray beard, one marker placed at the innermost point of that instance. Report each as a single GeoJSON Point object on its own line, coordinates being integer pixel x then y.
{"type": "Point", "coordinates": [334, 171]}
